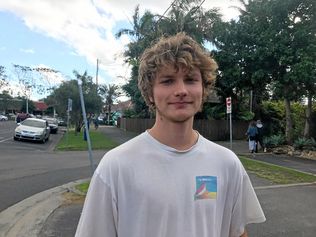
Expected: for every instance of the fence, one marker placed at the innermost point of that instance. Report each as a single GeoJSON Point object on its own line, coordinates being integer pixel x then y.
{"type": "Point", "coordinates": [215, 130]}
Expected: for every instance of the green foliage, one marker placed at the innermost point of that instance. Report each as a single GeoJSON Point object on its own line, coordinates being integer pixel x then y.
{"type": "Point", "coordinates": [272, 47]}
{"type": "Point", "coordinates": [3, 77]}
{"type": "Point", "coordinates": [109, 94]}
{"type": "Point", "coordinates": [69, 89]}
{"type": "Point", "coordinates": [214, 111]}
{"type": "Point", "coordinates": [8, 102]}
{"type": "Point", "coordinates": [31, 106]}
{"type": "Point", "coordinates": [83, 188]}
{"type": "Point", "coordinates": [305, 144]}
{"type": "Point", "coordinates": [130, 113]}
{"type": "Point", "coordinates": [298, 115]}
{"type": "Point", "coordinates": [274, 141]}
{"type": "Point", "coordinates": [273, 116]}
{"type": "Point", "coordinates": [246, 115]}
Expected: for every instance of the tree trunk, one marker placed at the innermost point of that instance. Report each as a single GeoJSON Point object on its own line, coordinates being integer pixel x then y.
{"type": "Point", "coordinates": [289, 123]}
{"type": "Point", "coordinates": [109, 113]}
{"type": "Point", "coordinates": [308, 113]}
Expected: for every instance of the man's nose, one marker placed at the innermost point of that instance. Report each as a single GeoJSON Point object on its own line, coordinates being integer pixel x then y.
{"type": "Point", "coordinates": [181, 89]}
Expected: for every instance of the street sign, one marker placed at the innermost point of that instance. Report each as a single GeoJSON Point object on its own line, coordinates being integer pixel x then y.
{"type": "Point", "coordinates": [69, 104]}
{"type": "Point", "coordinates": [228, 105]}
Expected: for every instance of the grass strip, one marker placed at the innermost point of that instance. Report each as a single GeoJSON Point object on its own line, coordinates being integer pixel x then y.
{"type": "Point", "coordinates": [75, 142]}
{"type": "Point", "coordinates": [276, 174]}
{"type": "Point", "coordinates": [83, 187]}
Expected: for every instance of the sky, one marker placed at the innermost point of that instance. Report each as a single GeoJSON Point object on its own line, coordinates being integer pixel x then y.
{"type": "Point", "coordinates": [72, 34]}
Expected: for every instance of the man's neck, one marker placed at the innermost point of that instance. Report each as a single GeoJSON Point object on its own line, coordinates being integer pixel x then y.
{"type": "Point", "coordinates": [180, 136]}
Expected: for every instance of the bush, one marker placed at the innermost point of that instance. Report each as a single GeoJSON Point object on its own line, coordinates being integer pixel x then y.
{"type": "Point", "coordinates": [274, 141]}
{"type": "Point", "coordinates": [305, 144]}
{"type": "Point", "coordinates": [245, 116]}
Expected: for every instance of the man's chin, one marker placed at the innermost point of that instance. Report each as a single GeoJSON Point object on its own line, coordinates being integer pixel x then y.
{"type": "Point", "coordinates": [180, 118]}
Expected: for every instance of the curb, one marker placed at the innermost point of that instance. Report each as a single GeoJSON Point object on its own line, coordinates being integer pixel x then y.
{"type": "Point", "coordinates": [27, 217]}
{"type": "Point", "coordinates": [284, 185]}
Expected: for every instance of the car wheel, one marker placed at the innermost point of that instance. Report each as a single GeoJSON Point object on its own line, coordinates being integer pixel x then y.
{"type": "Point", "coordinates": [14, 138]}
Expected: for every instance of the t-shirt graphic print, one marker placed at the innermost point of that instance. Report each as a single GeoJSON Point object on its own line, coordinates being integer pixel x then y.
{"type": "Point", "coordinates": [206, 187]}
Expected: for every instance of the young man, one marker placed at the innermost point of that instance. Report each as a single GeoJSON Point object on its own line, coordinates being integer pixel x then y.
{"type": "Point", "coordinates": [170, 181]}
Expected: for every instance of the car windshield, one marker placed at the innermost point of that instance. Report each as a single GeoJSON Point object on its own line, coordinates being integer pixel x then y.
{"type": "Point", "coordinates": [34, 123]}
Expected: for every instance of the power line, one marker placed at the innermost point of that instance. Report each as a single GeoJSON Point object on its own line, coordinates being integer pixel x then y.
{"type": "Point", "coordinates": [195, 9]}
{"type": "Point", "coordinates": [165, 11]}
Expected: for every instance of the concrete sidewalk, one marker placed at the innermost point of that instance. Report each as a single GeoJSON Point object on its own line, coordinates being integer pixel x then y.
{"type": "Point", "coordinates": [290, 209]}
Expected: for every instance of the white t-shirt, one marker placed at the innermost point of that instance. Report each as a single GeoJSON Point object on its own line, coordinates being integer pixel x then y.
{"type": "Point", "coordinates": [146, 189]}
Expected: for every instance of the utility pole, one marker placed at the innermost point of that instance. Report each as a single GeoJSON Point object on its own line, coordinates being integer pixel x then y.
{"type": "Point", "coordinates": [86, 126]}
{"type": "Point", "coordinates": [97, 72]}
{"type": "Point", "coordinates": [27, 105]}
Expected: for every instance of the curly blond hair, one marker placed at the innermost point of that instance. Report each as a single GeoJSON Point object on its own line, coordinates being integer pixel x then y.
{"type": "Point", "coordinates": [175, 50]}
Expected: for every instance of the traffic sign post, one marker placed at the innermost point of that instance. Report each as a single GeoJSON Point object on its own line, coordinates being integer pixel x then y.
{"type": "Point", "coordinates": [228, 105]}
{"type": "Point", "coordinates": [69, 109]}
{"type": "Point", "coordinates": [229, 111]}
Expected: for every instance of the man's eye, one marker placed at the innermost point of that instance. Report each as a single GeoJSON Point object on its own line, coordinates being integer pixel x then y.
{"type": "Point", "coordinates": [191, 80]}
{"type": "Point", "coordinates": [167, 81]}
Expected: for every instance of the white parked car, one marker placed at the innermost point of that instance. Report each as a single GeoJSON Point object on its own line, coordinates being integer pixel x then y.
{"type": "Point", "coordinates": [3, 118]}
{"type": "Point", "coordinates": [32, 129]}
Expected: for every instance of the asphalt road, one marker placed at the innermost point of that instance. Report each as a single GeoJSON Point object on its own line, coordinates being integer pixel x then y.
{"type": "Point", "coordinates": [27, 168]}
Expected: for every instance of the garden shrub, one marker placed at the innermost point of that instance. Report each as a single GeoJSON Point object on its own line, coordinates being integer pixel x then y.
{"type": "Point", "coordinates": [303, 143]}
{"type": "Point", "coordinates": [274, 141]}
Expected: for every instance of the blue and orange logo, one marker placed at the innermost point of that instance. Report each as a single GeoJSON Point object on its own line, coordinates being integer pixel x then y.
{"type": "Point", "coordinates": [206, 187]}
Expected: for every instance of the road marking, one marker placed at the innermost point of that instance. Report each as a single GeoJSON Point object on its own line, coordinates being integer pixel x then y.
{"type": "Point", "coordinates": [5, 140]}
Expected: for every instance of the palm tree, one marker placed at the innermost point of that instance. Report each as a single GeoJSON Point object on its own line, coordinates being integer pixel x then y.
{"type": "Point", "coordinates": [142, 34]}
{"type": "Point", "coordinates": [189, 16]}
{"type": "Point", "coordinates": [109, 93]}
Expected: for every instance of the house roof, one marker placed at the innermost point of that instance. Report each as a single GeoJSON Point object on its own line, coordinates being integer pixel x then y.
{"type": "Point", "coordinates": [40, 105]}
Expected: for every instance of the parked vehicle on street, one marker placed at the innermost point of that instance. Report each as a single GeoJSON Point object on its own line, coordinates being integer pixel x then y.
{"type": "Point", "coordinates": [32, 129]}
{"type": "Point", "coordinates": [21, 117]}
{"type": "Point", "coordinates": [61, 122]}
{"type": "Point", "coordinates": [3, 118]}
{"type": "Point", "coordinates": [52, 123]}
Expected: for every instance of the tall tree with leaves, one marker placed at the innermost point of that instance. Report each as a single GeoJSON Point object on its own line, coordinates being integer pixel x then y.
{"type": "Point", "coordinates": [269, 46]}
{"type": "Point", "coordinates": [3, 77]}
{"type": "Point", "coordinates": [69, 90]}
{"type": "Point", "coordinates": [142, 34]}
{"type": "Point", "coordinates": [292, 38]}
{"type": "Point", "coordinates": [109, 93]}
{"type": "Point", "coordinates": [189, 16]}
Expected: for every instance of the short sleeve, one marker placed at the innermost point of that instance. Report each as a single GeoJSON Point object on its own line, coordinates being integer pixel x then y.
{"type": "Point", "coordinates": [99, 215]}
{"type": "Point", "coordinates": [247, 208]}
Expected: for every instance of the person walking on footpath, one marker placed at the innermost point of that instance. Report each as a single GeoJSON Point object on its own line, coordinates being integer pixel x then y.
{"type": "Point", "coordinates": [170, 181]}
{"type": "Point", "coordinates": [259, 137]}
{"type": "Point", "coordinates": [96, 122]}
{"type": "Point", "coordinates": [252, 133]}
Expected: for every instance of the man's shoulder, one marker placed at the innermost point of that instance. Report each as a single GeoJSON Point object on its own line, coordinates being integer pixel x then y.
{"type": "Point", "coordinates": [215, 147]}
{"type": "Point", "coordinates": [130, 146]}
{"type": "Point", "coordinates": [220, 153]}
{"type": "Point", "coordinates": [122, 154]}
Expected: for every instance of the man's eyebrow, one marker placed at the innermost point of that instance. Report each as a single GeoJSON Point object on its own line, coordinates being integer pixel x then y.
{"type": "Point", "coordinates": [166, 75]}
{"type": "Point", "coordinates": [194, 74]}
